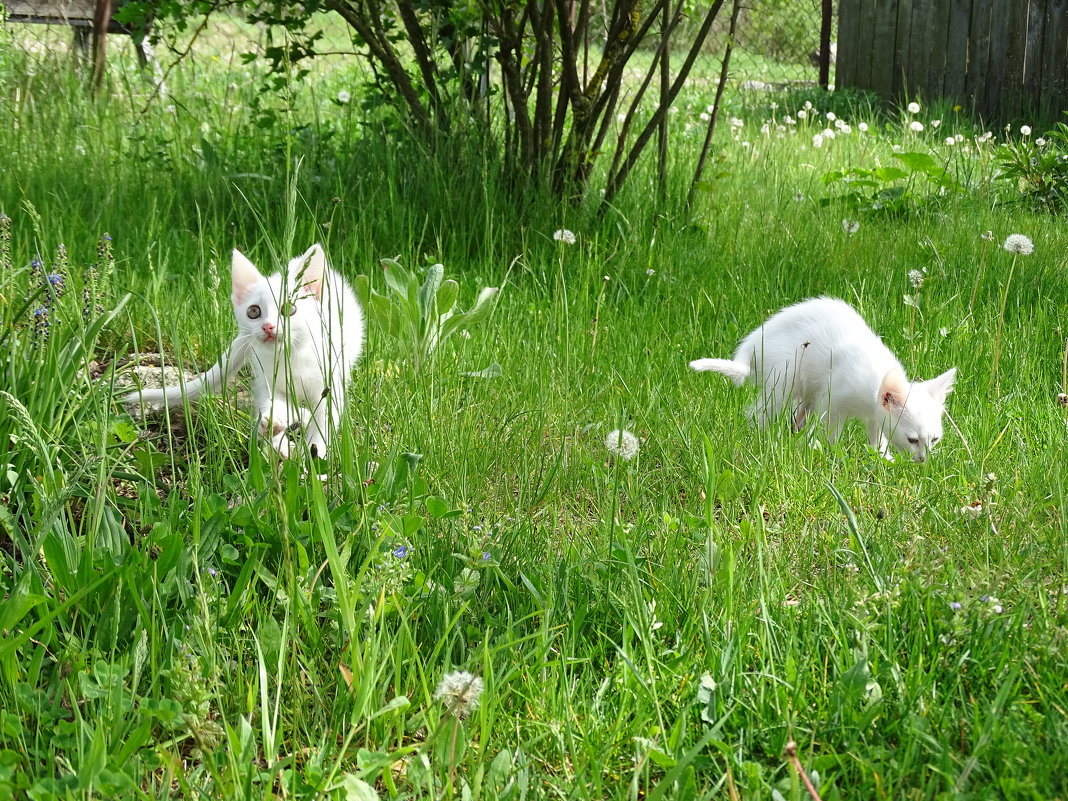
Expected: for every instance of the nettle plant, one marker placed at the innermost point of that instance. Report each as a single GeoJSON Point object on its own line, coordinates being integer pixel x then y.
{"type": "Point", "coordinates": [1037, 168]}
{"type": "Point", "coordinates": [893, 190]}
{"type": "Point", "coordinates": [421, 316]}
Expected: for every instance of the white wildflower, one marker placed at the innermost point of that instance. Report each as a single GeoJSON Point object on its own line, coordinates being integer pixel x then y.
{"type": "Point", "coordinates": [459, 691]}
{"type": "Point", "coordinates": [650, 272]}
{"type": "Point", "coordinates": [343, 97]}
{"type": "Point", "coordinates": [1019, 244]}
{"type": "Point", "coordinates": [916, 278]}
{"type": "Point", "coordinates": [973, 509]}
{"type": "Point", "coordinates": [622, 443]}
{"type": "Point", "coordinates": [987, 236]}
{"type": "Point", "coordinates": [935, 123]}
{"type": "Point", "coordinates": [565, 236]}
{"type": "Point", "coordinates": [914, 108]}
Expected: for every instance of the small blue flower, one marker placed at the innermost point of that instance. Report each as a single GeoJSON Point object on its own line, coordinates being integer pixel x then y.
{"type": "Point", "coordinates": [55, 279]}
{"type": "Point", "coordinates": [486, 556]}
{"type": "Point", "coordinates": [401, 551]}
{"type": "Point", "coordinates": [212, 572]}
{"type": "Point", "coordinates": [984, 598]}
{"type": "Point", "coordinates": [476, 527]}
{"type": "Point", "coordinates": [40, 311]}
{"type": "Point", "coordinates": [36, 264]}
{"type": "Point", "coordinates": [954, 605]}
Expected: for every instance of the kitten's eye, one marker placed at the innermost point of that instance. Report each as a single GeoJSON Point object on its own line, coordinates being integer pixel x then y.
{"type": "Point", "coordinates": [253, 312]}
{"type": "Point", "coordinates": [289, 308]}
{"type": "Point", "coordinates": [914, 440]}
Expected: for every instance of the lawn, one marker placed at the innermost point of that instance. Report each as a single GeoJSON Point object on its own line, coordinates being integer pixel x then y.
{"type": "Point", "coordinates": [184, 616]}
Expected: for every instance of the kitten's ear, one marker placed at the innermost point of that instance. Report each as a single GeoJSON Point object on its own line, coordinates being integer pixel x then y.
{"type": "Point", "coordinates": [893, 390]}
{"type": "Point", "coordinates": [243, 276]}
{"type": "Point", "coordinates": [941, 386]}
{"type": "Point", "coordinates": [310, 269]}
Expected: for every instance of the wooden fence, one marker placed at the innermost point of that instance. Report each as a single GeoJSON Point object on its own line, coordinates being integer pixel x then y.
{"type": "Point", "coordinates": [1002, 59]}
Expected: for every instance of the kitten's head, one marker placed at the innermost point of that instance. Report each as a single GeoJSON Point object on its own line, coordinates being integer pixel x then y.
{"type": "Point", "coordinates": [915, 410]}
{"type": "Point", "coordinates": [278, 308]}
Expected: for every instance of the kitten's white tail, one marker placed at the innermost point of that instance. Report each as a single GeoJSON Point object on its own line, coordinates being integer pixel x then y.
{"type": "Point", "coordinates": [209, 381]}
{"type": "Point", "coordinates": [735, 371]}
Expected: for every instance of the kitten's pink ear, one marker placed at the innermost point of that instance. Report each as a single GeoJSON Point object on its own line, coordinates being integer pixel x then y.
{"type": "Point", "coordinates": [941, 386]}
{"type": "Point", "coordinates": [310, 269]}
{"type": "Point", "coordinates": [893, 390]}
{"type": "Point", "coordinates": [243, 276]}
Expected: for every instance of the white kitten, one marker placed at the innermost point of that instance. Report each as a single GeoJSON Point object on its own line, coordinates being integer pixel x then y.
{"type": "Point", "coordinates": [302, 332]}
{"type": "Point", "coordinates": [820, 357]}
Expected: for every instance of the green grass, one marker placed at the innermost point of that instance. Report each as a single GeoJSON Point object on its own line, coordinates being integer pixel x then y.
{"type": "Point", "coordinates": [184, 618]}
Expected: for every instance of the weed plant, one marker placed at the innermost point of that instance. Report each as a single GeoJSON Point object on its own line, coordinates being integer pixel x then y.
{"type": "Point", "coordinates": [185, 617]}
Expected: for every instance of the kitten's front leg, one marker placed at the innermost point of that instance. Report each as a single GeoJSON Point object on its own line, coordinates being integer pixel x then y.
{"type": "Point", "coordinates": [878, 440]}
{"type": "Point", "coordinates": [276, 418]}
{"type": "Point", "coordinates": [326, 417]}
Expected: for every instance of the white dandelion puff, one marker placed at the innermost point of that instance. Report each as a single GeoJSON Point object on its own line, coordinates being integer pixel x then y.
{"type": "Point", "coordinates": [460, 692]}
{"type": "Point", "coordinates": [622, 444]}
{"type": "Point", "coordinates": [850, 226]}
{"type": "Point", "coordinates": [914, 108]}
{"type": "Point", "coordinates": [1019, 244]}
{"type": "Point", "coordinates": [862, 127]}
{"type": "Point", "coordinates": [343, 97]}
{"type": "Point", "coordinates": [916, 126]}
{"type": "Point", "coordinates": [1025, 130]}
{"type": "Point", "coordinates": [817, 140]}
{"type": "Point", "coordinates": [565, 236]}
{"type": "Point", "coordinates": [916, 278]}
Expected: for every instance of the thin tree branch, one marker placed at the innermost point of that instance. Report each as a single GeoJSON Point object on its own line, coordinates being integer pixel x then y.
{"type": "Point", "coordinates": [714, 116]}
{"type": "Point", "coordinates": [616, 181]}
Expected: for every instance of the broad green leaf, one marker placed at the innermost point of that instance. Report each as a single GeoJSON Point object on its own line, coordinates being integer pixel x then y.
{"type": "Point", "coordinates": [489, 371]}
{"type": "Point", "coordinates": [429, 290]}
{"type": "Point", "coordinates": [447, 296]}
{"type": "Point", "coordinates": [920, 162]}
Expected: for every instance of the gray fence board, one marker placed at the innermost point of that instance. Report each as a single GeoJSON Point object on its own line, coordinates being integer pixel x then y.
{"type": "Point", "coordinates": [1000, 58]}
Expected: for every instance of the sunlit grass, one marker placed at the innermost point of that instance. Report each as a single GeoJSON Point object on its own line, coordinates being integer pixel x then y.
{"type": "Point", "coordinates": [183, 616]}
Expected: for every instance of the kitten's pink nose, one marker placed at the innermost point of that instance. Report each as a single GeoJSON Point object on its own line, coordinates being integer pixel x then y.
{"type": "Point", "coordinates": [268, 329]}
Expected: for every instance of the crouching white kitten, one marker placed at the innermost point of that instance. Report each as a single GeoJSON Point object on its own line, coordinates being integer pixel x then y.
{"type": "Point", "coordinates": [301, 331]}
{"type": "Point", "coordinates": [819, 357]}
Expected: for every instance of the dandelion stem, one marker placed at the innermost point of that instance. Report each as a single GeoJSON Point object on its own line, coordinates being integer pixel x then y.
{"type": "Point", "coordinates": [978, 276]}
{"type": "Point", "coordinates": [1001, 321]}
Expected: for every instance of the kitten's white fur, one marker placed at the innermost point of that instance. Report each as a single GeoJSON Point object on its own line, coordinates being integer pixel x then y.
{"type": "Point", "coordinates": [820, 358]}
{"type": "Point", "coordinates": [301, 360]}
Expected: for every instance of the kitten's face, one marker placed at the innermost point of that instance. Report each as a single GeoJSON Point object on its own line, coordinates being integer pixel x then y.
{"type": "Point", "coordinates": [916, 414]}
{"type": "Point", "coordinates": [917, 428]}
{"type": "Point", "coordinates": [271, 310]}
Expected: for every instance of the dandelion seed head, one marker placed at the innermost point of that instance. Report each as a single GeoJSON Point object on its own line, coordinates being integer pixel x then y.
{"type": "Point", "coordinates": [460, 692]}
{"type": "Point", "coordinates": [565, 236]}
{"type": "Point", "coordinates": [862, 127]}
{"type": "Point", "coordinates": [850, 226]}
{"type": "Point", "coordinates": [913, 108]}
{"type": "Point", "coordinates": [622, 444]}
{"type": "Point", "coordinates": [916, 126]}
{"type": "Point", "coordinates": [1019, 244]}
{"type": "Point", "coordinates": [916, 278]}
{"type": "Point", "coordinates": [343, 97]}
{"type": "Point", "coordinates": [1025, 130]}
{"type": "Point", "coordinates": [817, 140]}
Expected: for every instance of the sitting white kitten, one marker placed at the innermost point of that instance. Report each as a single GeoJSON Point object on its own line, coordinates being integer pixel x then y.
{"type": "Point", "coordinates": [301, 332]}
{"type": "Point", "coordinates": [820, 357]}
